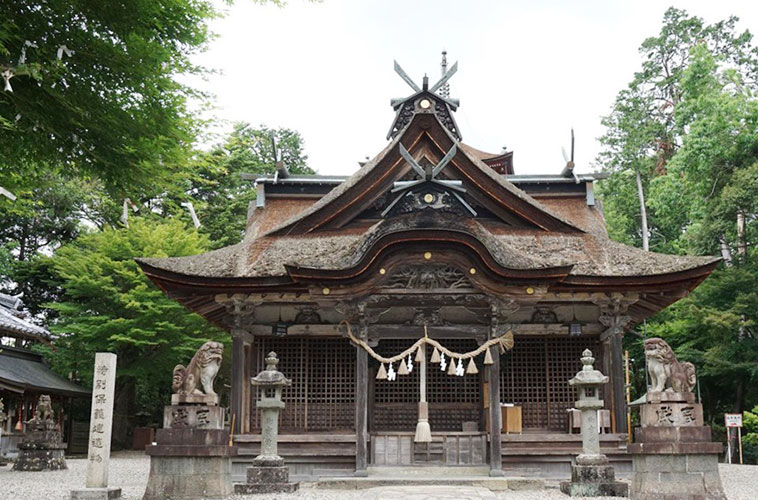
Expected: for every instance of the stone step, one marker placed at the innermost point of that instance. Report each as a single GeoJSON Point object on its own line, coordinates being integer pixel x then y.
{"type": "Point", "coordinates": [491, 483]}
{"type": "Point", "coordinates": [423, 471]}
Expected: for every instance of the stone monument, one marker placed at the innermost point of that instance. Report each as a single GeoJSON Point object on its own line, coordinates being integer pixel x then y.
{"type": "Point", "coordinates": [191, 458]}
{"type": "Point", "coordinates": [672, 456]}
{"type": "Point", "coordinates": [592, 476]}
{"type": "Point", "coordinates": [41, 448]}
{"type": "Point", "coordinates": [101, 426]}
{"type": "Point", "coordinates": [268, 473]}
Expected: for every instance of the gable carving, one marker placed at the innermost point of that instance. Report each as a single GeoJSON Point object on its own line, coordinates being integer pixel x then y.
{"type": "Point", "coordinates": [428, 278]}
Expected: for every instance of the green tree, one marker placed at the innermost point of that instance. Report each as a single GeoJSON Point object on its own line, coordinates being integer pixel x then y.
{"type": "Point", "coordinates": [220, 194]}
{"type": "Point", "coordinates": [92, 86]}
{"type": "Point", "coordinates": [49, 213]}
{"type": "Point", "coordinates": [642, 130]}
{"type": "Point", "coordinates": [108, 304]}
{"type": "Point", "coordinates": [697, 150]}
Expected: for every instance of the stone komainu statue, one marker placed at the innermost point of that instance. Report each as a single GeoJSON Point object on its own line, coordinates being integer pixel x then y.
{"type": "Point", "coordinates": [44, 417]}
{"type": "Point", "coordinates": [201, 371]}
{"type": "Point", "coordinates": [666, 372]}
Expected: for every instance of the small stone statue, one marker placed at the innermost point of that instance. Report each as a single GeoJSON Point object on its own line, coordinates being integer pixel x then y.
{"type": "Point", "coordinates": [41, 448]}
{"type": "Point", "coordinates": [666, 372]}
{"type": "Point", "coordinates": [44, 417]}
{"type": "Point", "coordinates": [201, 371]}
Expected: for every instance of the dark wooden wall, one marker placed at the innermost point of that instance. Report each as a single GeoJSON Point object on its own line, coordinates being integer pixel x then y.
{"type": "Point", "coordinates": [535, 375]}
{"type": "Point", "coordinates": [322, 394]}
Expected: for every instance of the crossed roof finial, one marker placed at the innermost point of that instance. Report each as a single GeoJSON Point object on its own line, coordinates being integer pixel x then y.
{"type": "Point", "coordinates": [447, 75]}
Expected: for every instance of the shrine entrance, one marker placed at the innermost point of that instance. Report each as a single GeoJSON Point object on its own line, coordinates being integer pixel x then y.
{"type": "Point", "coordinates": [456, 412]}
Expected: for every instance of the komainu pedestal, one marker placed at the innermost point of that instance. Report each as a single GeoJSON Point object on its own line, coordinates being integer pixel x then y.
{"type": "Point", "coordinates": [41, 448]}
{"type": "Point", "coordinates": [673, 456]}
{"type": "Point", "coordinates": [192, 457]}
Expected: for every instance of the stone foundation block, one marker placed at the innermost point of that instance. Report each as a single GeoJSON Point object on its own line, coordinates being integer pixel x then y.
{"type": "Point", "coordinates": [592, 474]}
{"type": "Point", "coordinates": [594, 481]}
{"type": "Point", "coordinates": [268, 475]}
{"type": "Point", "coordinates": [675, 477]}
{"type": "Point", "coordinates": [109, 493]}
{"type": "Point", "coordinates": [189, 478]}
{"type": "Point", "coordinates": [248, 489]}
{"type": "Point", "coordinates": [40, 459]}
{"type": "Point", "coordinates": [615, 489]}
{"type": "Point", "coordinates": [696, 434]}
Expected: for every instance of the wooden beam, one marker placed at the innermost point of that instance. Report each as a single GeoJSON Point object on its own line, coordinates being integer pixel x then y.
{"type": "Point", "coordinates": [401, 330]}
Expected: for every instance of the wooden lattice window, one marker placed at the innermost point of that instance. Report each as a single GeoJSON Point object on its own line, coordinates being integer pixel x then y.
{"type": "Point", "coordinates": [452, 399]}
{"type": "Point", "coordinates": [322, 394]}
{"type": "Point", "coordinates": [535, 375]}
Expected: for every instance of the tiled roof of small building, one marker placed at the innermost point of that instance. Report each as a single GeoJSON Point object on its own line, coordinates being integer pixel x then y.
{"type": "Point", "coordinates": [12, 323]}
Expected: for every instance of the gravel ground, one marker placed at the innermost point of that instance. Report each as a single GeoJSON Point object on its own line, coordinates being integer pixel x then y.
{"type": "Point", "coordinates": [129, 471]}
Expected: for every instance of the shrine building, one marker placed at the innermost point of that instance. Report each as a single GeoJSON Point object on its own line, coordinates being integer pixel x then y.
{"type": "Point", "coordinates": [431, 235]}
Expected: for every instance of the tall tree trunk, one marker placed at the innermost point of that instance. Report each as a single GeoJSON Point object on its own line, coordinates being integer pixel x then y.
{"type": "Point", "coordinates": [643, 211]}
{"type": "Point", "coordinates": [726, 251]}
{"type": "Point", "coordinates": [123, 416]}
{"type": "Point", "coordinates": [741, 239]}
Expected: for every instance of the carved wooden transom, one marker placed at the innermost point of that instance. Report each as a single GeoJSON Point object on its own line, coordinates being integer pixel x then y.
{"type": "Point", "coordinates": [427, 278]}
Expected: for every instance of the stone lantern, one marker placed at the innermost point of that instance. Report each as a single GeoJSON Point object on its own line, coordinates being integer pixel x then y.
{"type": "Point", "coordinates": [268, 473]}
{"type": "Point", "coordinates": [592, 475]}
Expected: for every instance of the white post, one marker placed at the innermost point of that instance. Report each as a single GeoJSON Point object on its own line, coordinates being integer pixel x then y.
{"type": "Point", "coordinates": [101, 420]}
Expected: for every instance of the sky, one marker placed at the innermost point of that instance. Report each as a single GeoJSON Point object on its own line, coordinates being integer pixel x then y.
{"type": "Point", "coordinates": [528, 71]}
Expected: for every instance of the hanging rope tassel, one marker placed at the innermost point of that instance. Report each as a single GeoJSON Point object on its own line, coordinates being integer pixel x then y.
{"type": "Point", "coordinates": [471, 369]}
{"type": "Point", "coordinates": [419, 355]}
{"type": "Point", "coordinates": [381, 374]}
{"type": "Point", "coordinates": [402, 368]}
{"type": "Point", "coordinates": [435, 356]}
{"type": "Point", "coordinates": [423, 430]}
{"type": "Point", "coordinates": [451, 367]}
{"type": "Point", "coordinates": [488, 357]}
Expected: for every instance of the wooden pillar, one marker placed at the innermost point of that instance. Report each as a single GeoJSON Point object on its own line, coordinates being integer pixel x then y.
{"type": "Point", "coordinates": [238, 381]}
{"type": "Point", "coordinates": [618, 389]}
{"type": "Point", "coordinates": [247, 389]}
{"type": "Point", "coordinates": [496, 423]}
{"type": "Point", "coordinates": [361, 406]}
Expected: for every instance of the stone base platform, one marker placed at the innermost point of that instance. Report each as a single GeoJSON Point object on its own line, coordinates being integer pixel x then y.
{"type": "Point", "coordinates": [267, 475]}
{"type": "Point", "coordinates": [249, 489]}
{"type": "Point", "coordinates": [40, 451]}
{"type": "Point", "coordinates": [594, 481]}
{"type": "Point", "coordinates": [190, 464]}
{"type": "Point", "coordinates": [109, 493]}
{"type": "Point", "coordinates": [431, 479]}
{"type": "Point", "coordinates": [673, 463]}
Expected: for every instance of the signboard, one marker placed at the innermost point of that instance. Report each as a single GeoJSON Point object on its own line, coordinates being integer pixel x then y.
{"type": "Point", "coordinates": [733, 419]}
